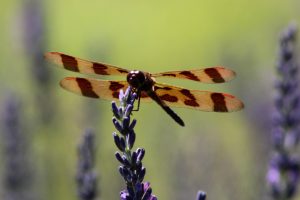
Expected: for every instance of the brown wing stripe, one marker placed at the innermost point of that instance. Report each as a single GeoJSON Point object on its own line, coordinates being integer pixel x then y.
{"type": "Point", "coordinates": [170, 98]}
{"type": "Point", "coordinates": [219, 102]}
{"type": "Point", "coordinates": [167, 74]}
{"type": "Point", "coordinates": [115, 86]}
{"type": "Point", "coordinates": [69, 62]}
{"type": "Point", "coordinates": [162, 88]}
{"type": "Point", "coordinates": [189, 75]}
{"type": "Point", "coordinates": [188, 94]}
{"type": "Point", "coordinates": [100, 69]}
{"type": "Point", "coordinates": [122, 71]}
{"type": "Point", "coordinates": [214, 75]}
{"type": "Point", "coordinates": [86, 88]}
{"type": "Point", "coordinates": [191, 102]}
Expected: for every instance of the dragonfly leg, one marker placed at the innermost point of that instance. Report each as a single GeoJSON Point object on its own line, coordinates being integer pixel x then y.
{"type": "Point", "coordinates": [139, 99]}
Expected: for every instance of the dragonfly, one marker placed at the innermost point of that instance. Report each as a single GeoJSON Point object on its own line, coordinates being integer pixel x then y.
{"type": "Point", "coordinates": [145, 86]}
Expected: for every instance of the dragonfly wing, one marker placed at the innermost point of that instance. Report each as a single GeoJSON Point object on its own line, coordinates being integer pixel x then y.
{"type": "Point", "coordinates": [94, 88]}
{"type": "Point", "coordinates": [206, 75]}
{"type": "Point", "coordinates": [83, 66]}
{"type": "Point", "coordinates": [197, 99]}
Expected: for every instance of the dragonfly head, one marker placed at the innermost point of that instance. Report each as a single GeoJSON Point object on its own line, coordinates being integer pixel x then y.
{"type": "Point", "coordinates": [136, 79]}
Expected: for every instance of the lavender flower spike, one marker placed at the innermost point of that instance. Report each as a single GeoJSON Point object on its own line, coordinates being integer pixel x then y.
{"type": "Point", "coordinates": [86, 177]}
{"type": "Point", "coordinates": [284, 165]}
{"type": "Point", "coordinates": [18, 174]}
{"type": "Point", "coordinates": [131, 169]}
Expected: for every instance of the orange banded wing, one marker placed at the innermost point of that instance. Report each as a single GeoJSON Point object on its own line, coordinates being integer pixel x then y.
{"type": "Point", "coordinates": [196, 99]}
{"type": "Point", "coordinates": [205, 75]}
{"type": "Point", "coordinates": [83, 66]}
{"type": "Point", "coordinates": [94, 88]}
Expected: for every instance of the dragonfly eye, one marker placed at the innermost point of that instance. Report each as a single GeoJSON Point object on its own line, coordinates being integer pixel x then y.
{"type": "Point", "coordinates": [136, 78]}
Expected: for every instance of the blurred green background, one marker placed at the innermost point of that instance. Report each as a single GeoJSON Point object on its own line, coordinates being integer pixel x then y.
{"type": "Point", "coordinates": [225, 155]}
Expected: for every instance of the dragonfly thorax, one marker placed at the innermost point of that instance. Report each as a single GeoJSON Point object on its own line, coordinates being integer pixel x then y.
{"type": "Point", "coordinates": [139, 80]}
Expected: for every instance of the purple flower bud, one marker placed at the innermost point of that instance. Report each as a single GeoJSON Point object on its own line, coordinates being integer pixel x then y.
{"type": "Point", "coordinates": [124, 195]}
{"type": "Point", "coordinates": [141, 155]}
{"type": "Point", "coordinates": [294, 103]}
{"type": "Point", "coordinates": [125, 123]}
{"type": "Point", "coordinates": [148, 191]}
{"type": "Point", "coordinates": [292, 180]}
{"type": "Point", "coordinates": [146, 186]}
{"type": "Point", "coordinates": [121, 95]}
{"type": "Point", "coordinates": [119, 157]}
{"type": "Point", "coordinates": [115, 110]}
{"type": "Point", "coordinates": [273, 176]}
{"type": "Point", "coordinates": [139, 188]}
{"type": "Point", "coordinates": [142, 174]}
{"type": "Point", "coordinates": [133, 158]}
{"type": "Point", "coordinates": [132, 125]}
{"type": "Point", "coordinates": [128, 110]}
{"type": "Point", "coordinates": [278, 137]}
{"type": "Point", "coordinates": [122, 144]}
{"type": "Point", "coordinates": [201, 195]}
{"type": "Point", "coordinates": [120, 110]}
{"type": "Point", "coordinates": [291, 139]}
{"type": "Point", "coordinates": [117, 125]}
{"type": "Point", "coordinates": [126, 162]}
{"type": "Point", "coordinates": [127, 92]}
{"type": "Point", "coordinates": [130, 139]}
{"type": "Point", "coordinates": [138, 167]}
{"type": "Point", "coordinates": [117, 140]}
{"type": "Point", "coordinates": [124, 172]}
{"type": "Point", "coordinates": [130, 191]}
{"type": "Point", "coordinates": [147, 194]}
{"type": "Point", "coordinates": [134, 178]}
{"type": "Point", "coordinates": [121, 170]}
{"type": "Point", "coordinates": [134, 96]}
{"type": "Point", "coordinates": [131, 98]}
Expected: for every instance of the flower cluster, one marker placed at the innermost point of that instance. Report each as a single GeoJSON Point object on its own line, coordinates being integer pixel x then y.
{"type": "Point", "coordinates": [86, 177]}
{"type": "Point", "coordinates": [34, 40]}
{"type": "Point", "coordinates": [17, 176]}
{"type": "Point", "coordinates": [283, 173]}
{"type": "Point", "coordinates": [131, 168]}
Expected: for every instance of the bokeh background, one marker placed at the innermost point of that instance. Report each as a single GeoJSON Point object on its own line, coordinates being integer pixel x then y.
{"type": "Point", "coordinates": [225, 155]}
